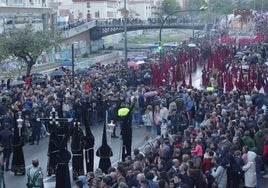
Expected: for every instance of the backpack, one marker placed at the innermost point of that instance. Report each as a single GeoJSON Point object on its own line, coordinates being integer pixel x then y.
{"type": "Point", "coordinates": [31, 181]}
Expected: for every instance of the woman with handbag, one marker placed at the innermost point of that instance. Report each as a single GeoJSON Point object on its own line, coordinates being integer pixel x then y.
{"type": "Point", "coordinates": [220, 175]}
{"type": "Point", "coordinates": [149, 118]}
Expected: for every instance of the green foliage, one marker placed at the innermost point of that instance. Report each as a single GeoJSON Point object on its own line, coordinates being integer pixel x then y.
{"type": "Point", "coordinates": [169, 6]}
{"type": "Point", "coordinates": [219, 7]}
{"type": "Point", "coordinates": [153, 37]}
{"type": "Point", "coordinates": [260, 5]}
{"type": "Point", "coordinates": [196, 4]}
{"type": "Point", "coordinates": [85, 55]}
{"type": "Point", "coordinates": [27, 44]}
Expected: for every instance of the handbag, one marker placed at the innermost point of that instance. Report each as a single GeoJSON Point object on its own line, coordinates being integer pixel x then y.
{"type": "Point", "coordinates": [145, 118]}
{"type": "Point", "coordinates": [214, 184]}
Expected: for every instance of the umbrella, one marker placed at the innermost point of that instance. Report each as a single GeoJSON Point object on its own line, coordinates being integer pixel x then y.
{"type": "Point", "coordinates": [140, 62]}
{"type": "Point", "coordinates": [251, 58]}
{"type": "Point", "coordinates": [192, 45]}
{"type": "Point", "coordinates": [57, 73]}
{"type": "Point", "coordinates": [247, 51]}
{"type": "Point", "coordinates": [132, 64]}
{"type": "Point", "coordinates": [37, 75]}
{"type": "Point", "coordinates": [123, 111]}
{"type": "Point", "coordinates": [95, 71]}
{"type": "Point", "coordinates": [239, 53]}
{"type": "Point", "coordinates": [150, 94]}
{"type": "Point", "coordinates": [238, 56]}
{"type": "Point", "coordinates": [82, 71]}
{"type": "Point", "coordinates": [17, 82]}
{"type": "Point", "coordinates": [38, 81]}
{"type": "Point", "coordinates": [185, 39]}
{"type": "Point", "coordinates": [140, 57]}
{"type": "Point", "coordinates": [66, 63]}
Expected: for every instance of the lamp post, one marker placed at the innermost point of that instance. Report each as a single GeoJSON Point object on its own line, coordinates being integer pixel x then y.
{"type": "Point", "coordinates": [73, 62]}
{"type": "Point", "coordinates": [125, 29]}
{"type": "Point", "coordinates": [164, 21]}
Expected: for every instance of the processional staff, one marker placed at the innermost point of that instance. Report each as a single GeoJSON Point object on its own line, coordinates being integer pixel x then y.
{"type": "Point", "coordinates": [54, 118]}
{"type": "Point", "coordinates": [20, 122]}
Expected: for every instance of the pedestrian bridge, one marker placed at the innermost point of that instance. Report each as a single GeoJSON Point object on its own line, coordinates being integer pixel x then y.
{"type": "Point", "coordinates": [99, 29]}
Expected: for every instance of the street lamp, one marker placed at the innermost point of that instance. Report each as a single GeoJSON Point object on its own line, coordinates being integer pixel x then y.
{"type": "Point", "coordinates": [164, 21]}
{"type": "Point", "coordinates": [73, 62]}
{"type": "Point", "coordinates": [125, 29]}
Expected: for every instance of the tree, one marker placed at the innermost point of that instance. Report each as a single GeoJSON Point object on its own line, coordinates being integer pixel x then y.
{"type": "Point", "coordinates": [259, 5]}
{"type": "Point", "coordinates": [27, 44]}
{"type": "Point", "coordinates": [169, 6]}
{"type": "Point", "coordinates": [219, 7]}
{"type": "Point", "coordinates": [195, 4]}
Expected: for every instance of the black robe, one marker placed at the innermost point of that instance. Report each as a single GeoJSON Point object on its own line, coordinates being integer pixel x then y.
{"type": "Point", "coordinates": [17, 143]}
{"type": "Point", "coordinates": [104, 152]}
{"type": "Point", "coordinates": [18, 162]}
{"type": "Point", "coordinates": [62, 173]}
{"type": "Point", "coordinates": [77, 147]}
{"type": "Point", "coordinates": [126, 131]}
{"type": "Point", "coordinates": [89, 142]}
{"type": "Point", "coordinates": [53, 149]}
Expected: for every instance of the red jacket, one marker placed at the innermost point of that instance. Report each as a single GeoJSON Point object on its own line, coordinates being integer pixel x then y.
{"type": "Point", "coordinates": [207, 164]}
{"type": "Point", "coordinates": [265, 147]}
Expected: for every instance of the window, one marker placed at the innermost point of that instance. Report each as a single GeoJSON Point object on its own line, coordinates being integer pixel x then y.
{"type": "Point", "coordinates": [110, 4]}
{"type": "Point", "coordinates": [110, 14]}
{"type": "Point", "coordinates": [97, 14]}
{"type": "Point", "coordinates": [88, 5]}
{"type": "Point", "coordinates": [3, 2]}
{"type": "Point", "coordinates": [18, 2]}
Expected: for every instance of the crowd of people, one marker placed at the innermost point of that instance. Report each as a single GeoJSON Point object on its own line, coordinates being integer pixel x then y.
{"type": "Point", "coordinates": [194, 138]}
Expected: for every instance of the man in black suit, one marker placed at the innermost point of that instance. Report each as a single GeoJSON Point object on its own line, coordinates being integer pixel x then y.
{"type": "Point", "coordinates": [5, 140]}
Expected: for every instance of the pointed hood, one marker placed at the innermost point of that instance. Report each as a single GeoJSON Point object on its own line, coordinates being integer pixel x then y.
{"type": "Point", "coordinates": [104, 136]}
{"type": "Point", "coordinates": [104, 150]}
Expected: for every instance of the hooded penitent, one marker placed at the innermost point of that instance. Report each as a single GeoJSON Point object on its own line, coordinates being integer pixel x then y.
{"type": "Point", "coordinates": [89, 140]}
{"type": "Point", "coordinates": [104, 152]}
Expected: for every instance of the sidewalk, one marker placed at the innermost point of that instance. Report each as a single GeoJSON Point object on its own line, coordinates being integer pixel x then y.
{"type": "Point", "coordinates": [48, 67]}
{"type": "Point", "coordinates": [45, 68]}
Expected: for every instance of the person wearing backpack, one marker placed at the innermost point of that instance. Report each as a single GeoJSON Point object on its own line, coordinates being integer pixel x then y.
{"type": "Point", "coordinates": [35, 175]}
{"type": "Point", "coordinates": [236, 163]}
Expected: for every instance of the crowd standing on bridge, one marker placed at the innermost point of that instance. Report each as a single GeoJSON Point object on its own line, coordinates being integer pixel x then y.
{"type": "Point", "coordinates": [215, 137]}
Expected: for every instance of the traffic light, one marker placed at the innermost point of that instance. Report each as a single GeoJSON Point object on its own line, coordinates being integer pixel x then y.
{"type": "Point", "coordinates": [203, 7]}
{"type": "Point", "coordinates": [160, 46]}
